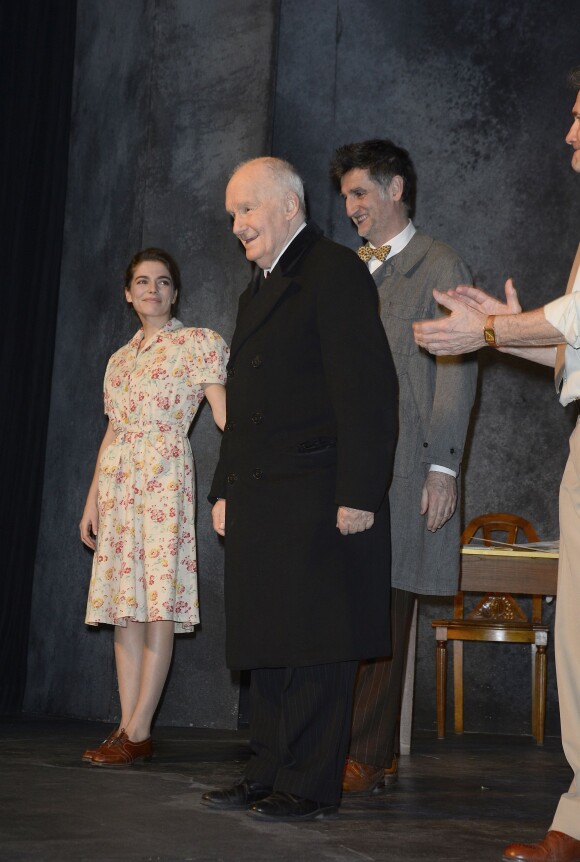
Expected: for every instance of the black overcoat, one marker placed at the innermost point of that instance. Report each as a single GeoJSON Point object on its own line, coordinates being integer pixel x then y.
{"type": "Point", "coordinates": [311, 425]}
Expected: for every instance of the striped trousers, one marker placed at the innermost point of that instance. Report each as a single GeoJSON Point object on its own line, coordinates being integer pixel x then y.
{"type": "Point", "coordinates": [300, 727]}
{"type": "Point", "coordinates": [379, 685]}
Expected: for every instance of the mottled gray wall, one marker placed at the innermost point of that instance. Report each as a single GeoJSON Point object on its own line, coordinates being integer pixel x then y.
{"type": "Point", "coordinates": [476, 92]}
{"type": "Point", "coordinates": [168, 98]}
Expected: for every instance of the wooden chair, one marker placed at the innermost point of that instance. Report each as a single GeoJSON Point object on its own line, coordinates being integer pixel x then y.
{"type": "Point", "coordinates": [496, 618]}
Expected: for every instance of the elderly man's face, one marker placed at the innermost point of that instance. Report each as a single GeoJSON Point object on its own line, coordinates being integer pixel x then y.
{"type": "Point", "coordinates": [573, 136]}
{"type": "Point", "coordinates": [261, 213]}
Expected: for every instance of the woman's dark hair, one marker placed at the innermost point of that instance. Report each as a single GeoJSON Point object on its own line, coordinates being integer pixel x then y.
{"type": "Point", "coordinates": [154, 254]}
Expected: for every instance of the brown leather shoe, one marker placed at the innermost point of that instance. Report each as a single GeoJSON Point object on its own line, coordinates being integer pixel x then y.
{"type": "Point", "coordinates": [90, 752]}
{"type": "Point", "coordinates": [364, 779]}
{"type": "Point", "coordinates": [555, 847]}
{"type": "Point", "coordinates": [392, 772]}
{"type": "Point", "coordinates": [122, 752]}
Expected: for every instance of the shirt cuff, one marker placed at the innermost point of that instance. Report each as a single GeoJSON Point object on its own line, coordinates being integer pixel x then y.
{"type": "Point", "coordinates": [437, 468]}
{"type": "Point", "coordinates": [564, 314]}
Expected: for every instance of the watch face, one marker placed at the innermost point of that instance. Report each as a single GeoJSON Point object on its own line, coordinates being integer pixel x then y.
{"type": "Point", "coordinates": [489, 335]}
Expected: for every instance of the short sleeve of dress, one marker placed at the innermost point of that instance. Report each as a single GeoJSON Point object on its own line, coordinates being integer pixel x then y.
{"type": "Point", "coordinates": [207, 356]}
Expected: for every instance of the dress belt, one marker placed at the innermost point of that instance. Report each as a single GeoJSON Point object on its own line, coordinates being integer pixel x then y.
{"type": "Point", "coordinates": [148, 427]}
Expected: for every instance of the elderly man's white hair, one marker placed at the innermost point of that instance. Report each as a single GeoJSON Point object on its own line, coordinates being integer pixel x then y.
{"type": "Point", "coordinates": [285, 175]}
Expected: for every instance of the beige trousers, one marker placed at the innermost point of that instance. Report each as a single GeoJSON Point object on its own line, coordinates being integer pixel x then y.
{"type": "Point", "coordinates": [567, 636]}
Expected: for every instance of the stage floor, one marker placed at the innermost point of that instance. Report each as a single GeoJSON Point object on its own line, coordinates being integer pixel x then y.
{"type": "Point", "coordinates": [457, 800]}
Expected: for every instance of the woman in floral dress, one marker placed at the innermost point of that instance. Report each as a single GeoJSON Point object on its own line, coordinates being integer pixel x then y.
{"type": "Point", "coordinates": [139, 514]}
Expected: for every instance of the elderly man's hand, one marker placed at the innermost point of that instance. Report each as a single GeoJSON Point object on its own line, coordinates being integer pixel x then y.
{"type": "Point", "coordinates": [353, 520]}
{"type": "Point", "coordinates": [439, 499]}
{"type": "Point", "coordinates": [459, 332]}
{"type": "Point", "coordinates": [462, 330]}
{"type": "Point", "coordinates": [218, 517]}
{"type": "Point", "coordinates": [482, 301]}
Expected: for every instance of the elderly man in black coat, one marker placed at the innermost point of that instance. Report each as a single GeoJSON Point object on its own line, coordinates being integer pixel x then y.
{"type": "Point", "coordinates": [301, 494]}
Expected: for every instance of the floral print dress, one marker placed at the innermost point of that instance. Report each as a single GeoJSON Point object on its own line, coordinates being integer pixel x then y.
{"type": "Point", "coordinates": [145, 565]}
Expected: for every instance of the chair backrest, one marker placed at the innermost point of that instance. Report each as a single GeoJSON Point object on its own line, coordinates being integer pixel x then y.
{"type": "Point", "coordinates": [498, 607]}
{"type": "Point", "coordinates": [499, 522]}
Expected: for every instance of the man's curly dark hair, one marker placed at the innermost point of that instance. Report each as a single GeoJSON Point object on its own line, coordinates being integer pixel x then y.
{"type": "Point", "coordinates": [574, 78]}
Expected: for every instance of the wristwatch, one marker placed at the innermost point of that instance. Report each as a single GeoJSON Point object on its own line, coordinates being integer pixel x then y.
{"type": "Point", "coordinates": [489, 332]}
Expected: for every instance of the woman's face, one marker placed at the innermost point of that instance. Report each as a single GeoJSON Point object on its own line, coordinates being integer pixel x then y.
{"type": "Point", "coordinates": [151, 292]}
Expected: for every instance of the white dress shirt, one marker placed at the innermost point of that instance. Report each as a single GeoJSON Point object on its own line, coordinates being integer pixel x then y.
{"type": "Point", "coordinates": [564, 314]}
{"type": "Point", "coordinates": [292, 238]}
{"type": "Point", "coordinates": [397, 244]}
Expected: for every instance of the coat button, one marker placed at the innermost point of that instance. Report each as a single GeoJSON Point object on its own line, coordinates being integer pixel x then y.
{"type": "Point", "coordinates": [452, 451]}
{"type": "Point", "coordinates": [230, 425]}
{"type": "Point", "coordinates": [231, 372]}
{"type": "Point", "coordinates": [257, 473]}
{"type": "Point", "coordinates": [425, 445]}
{"type": "Point", "coordinates": [256, 361]}
{"type": "Point", "coordinates": [232, 477]}
{"type": "Point", "coordinates": [257, 417]}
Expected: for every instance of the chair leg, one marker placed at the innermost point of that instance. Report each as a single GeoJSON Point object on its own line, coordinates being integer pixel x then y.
{"type": "Point", "coordinates": [441, 687]}
{"type": "Point", "coordinates": [458, 685]}
{"type": "Point", "coordinates": [535, 690]}
{"type": "Point", "coordinates": [541, 677]}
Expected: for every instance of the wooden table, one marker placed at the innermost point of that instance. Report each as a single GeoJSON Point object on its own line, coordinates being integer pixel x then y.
{"type": "Point", "coordinates": [488, 570]}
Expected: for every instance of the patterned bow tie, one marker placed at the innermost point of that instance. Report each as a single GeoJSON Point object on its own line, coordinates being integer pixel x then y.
{"type": "Point", "coordinates": [365, 252]}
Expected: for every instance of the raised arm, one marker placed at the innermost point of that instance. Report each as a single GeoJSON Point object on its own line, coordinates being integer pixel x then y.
{"type": "Point", "coordinates": [462, 330]}
{"type": "Point", "coordinates": [487, 304]}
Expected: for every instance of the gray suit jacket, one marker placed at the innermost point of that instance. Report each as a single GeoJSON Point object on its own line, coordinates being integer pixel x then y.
{"type": "Point", "coordinates": [435, 399]}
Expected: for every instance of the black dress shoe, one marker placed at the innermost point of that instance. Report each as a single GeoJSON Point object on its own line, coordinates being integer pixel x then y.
{"type": "Point", "coordinates": [239, 795]}
{"type": "Point", "coordinates": [285, 806]}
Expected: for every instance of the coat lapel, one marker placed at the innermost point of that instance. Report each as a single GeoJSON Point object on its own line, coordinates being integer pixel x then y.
{"type": "Point", "coordinates": [262, 296]}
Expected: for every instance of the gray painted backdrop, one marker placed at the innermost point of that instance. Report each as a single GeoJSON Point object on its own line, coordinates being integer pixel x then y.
{"type": "Point", "coordinates": [477, 94]}
{"type": "Point", "coordinates": [169, 96]}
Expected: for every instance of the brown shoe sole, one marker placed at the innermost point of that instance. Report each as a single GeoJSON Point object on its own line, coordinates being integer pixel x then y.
{"type": "Point", "coordinates": [145, 758]}
{"type": "Point", "coordinates": [374, 789]}
{"type": "Point", "coordinates": [90, 752]}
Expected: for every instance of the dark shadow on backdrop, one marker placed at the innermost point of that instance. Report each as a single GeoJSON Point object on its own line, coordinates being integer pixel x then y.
{"type": "Point", "coordinates": [36, 69]}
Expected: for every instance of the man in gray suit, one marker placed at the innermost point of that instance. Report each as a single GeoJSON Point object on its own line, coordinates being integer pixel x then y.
{"type": "Point", "coordinates": [377, 181]}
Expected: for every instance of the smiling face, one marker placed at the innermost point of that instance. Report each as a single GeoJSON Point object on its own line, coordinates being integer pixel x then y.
{"type": "Point", "coordinates": [378, 213]}
{"type": "Point", "coordinates": [573, 136]}
{"type": "Point", "coordinates": [265, 215]}
{"type": "Point", "coordinates": [152, 292]}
